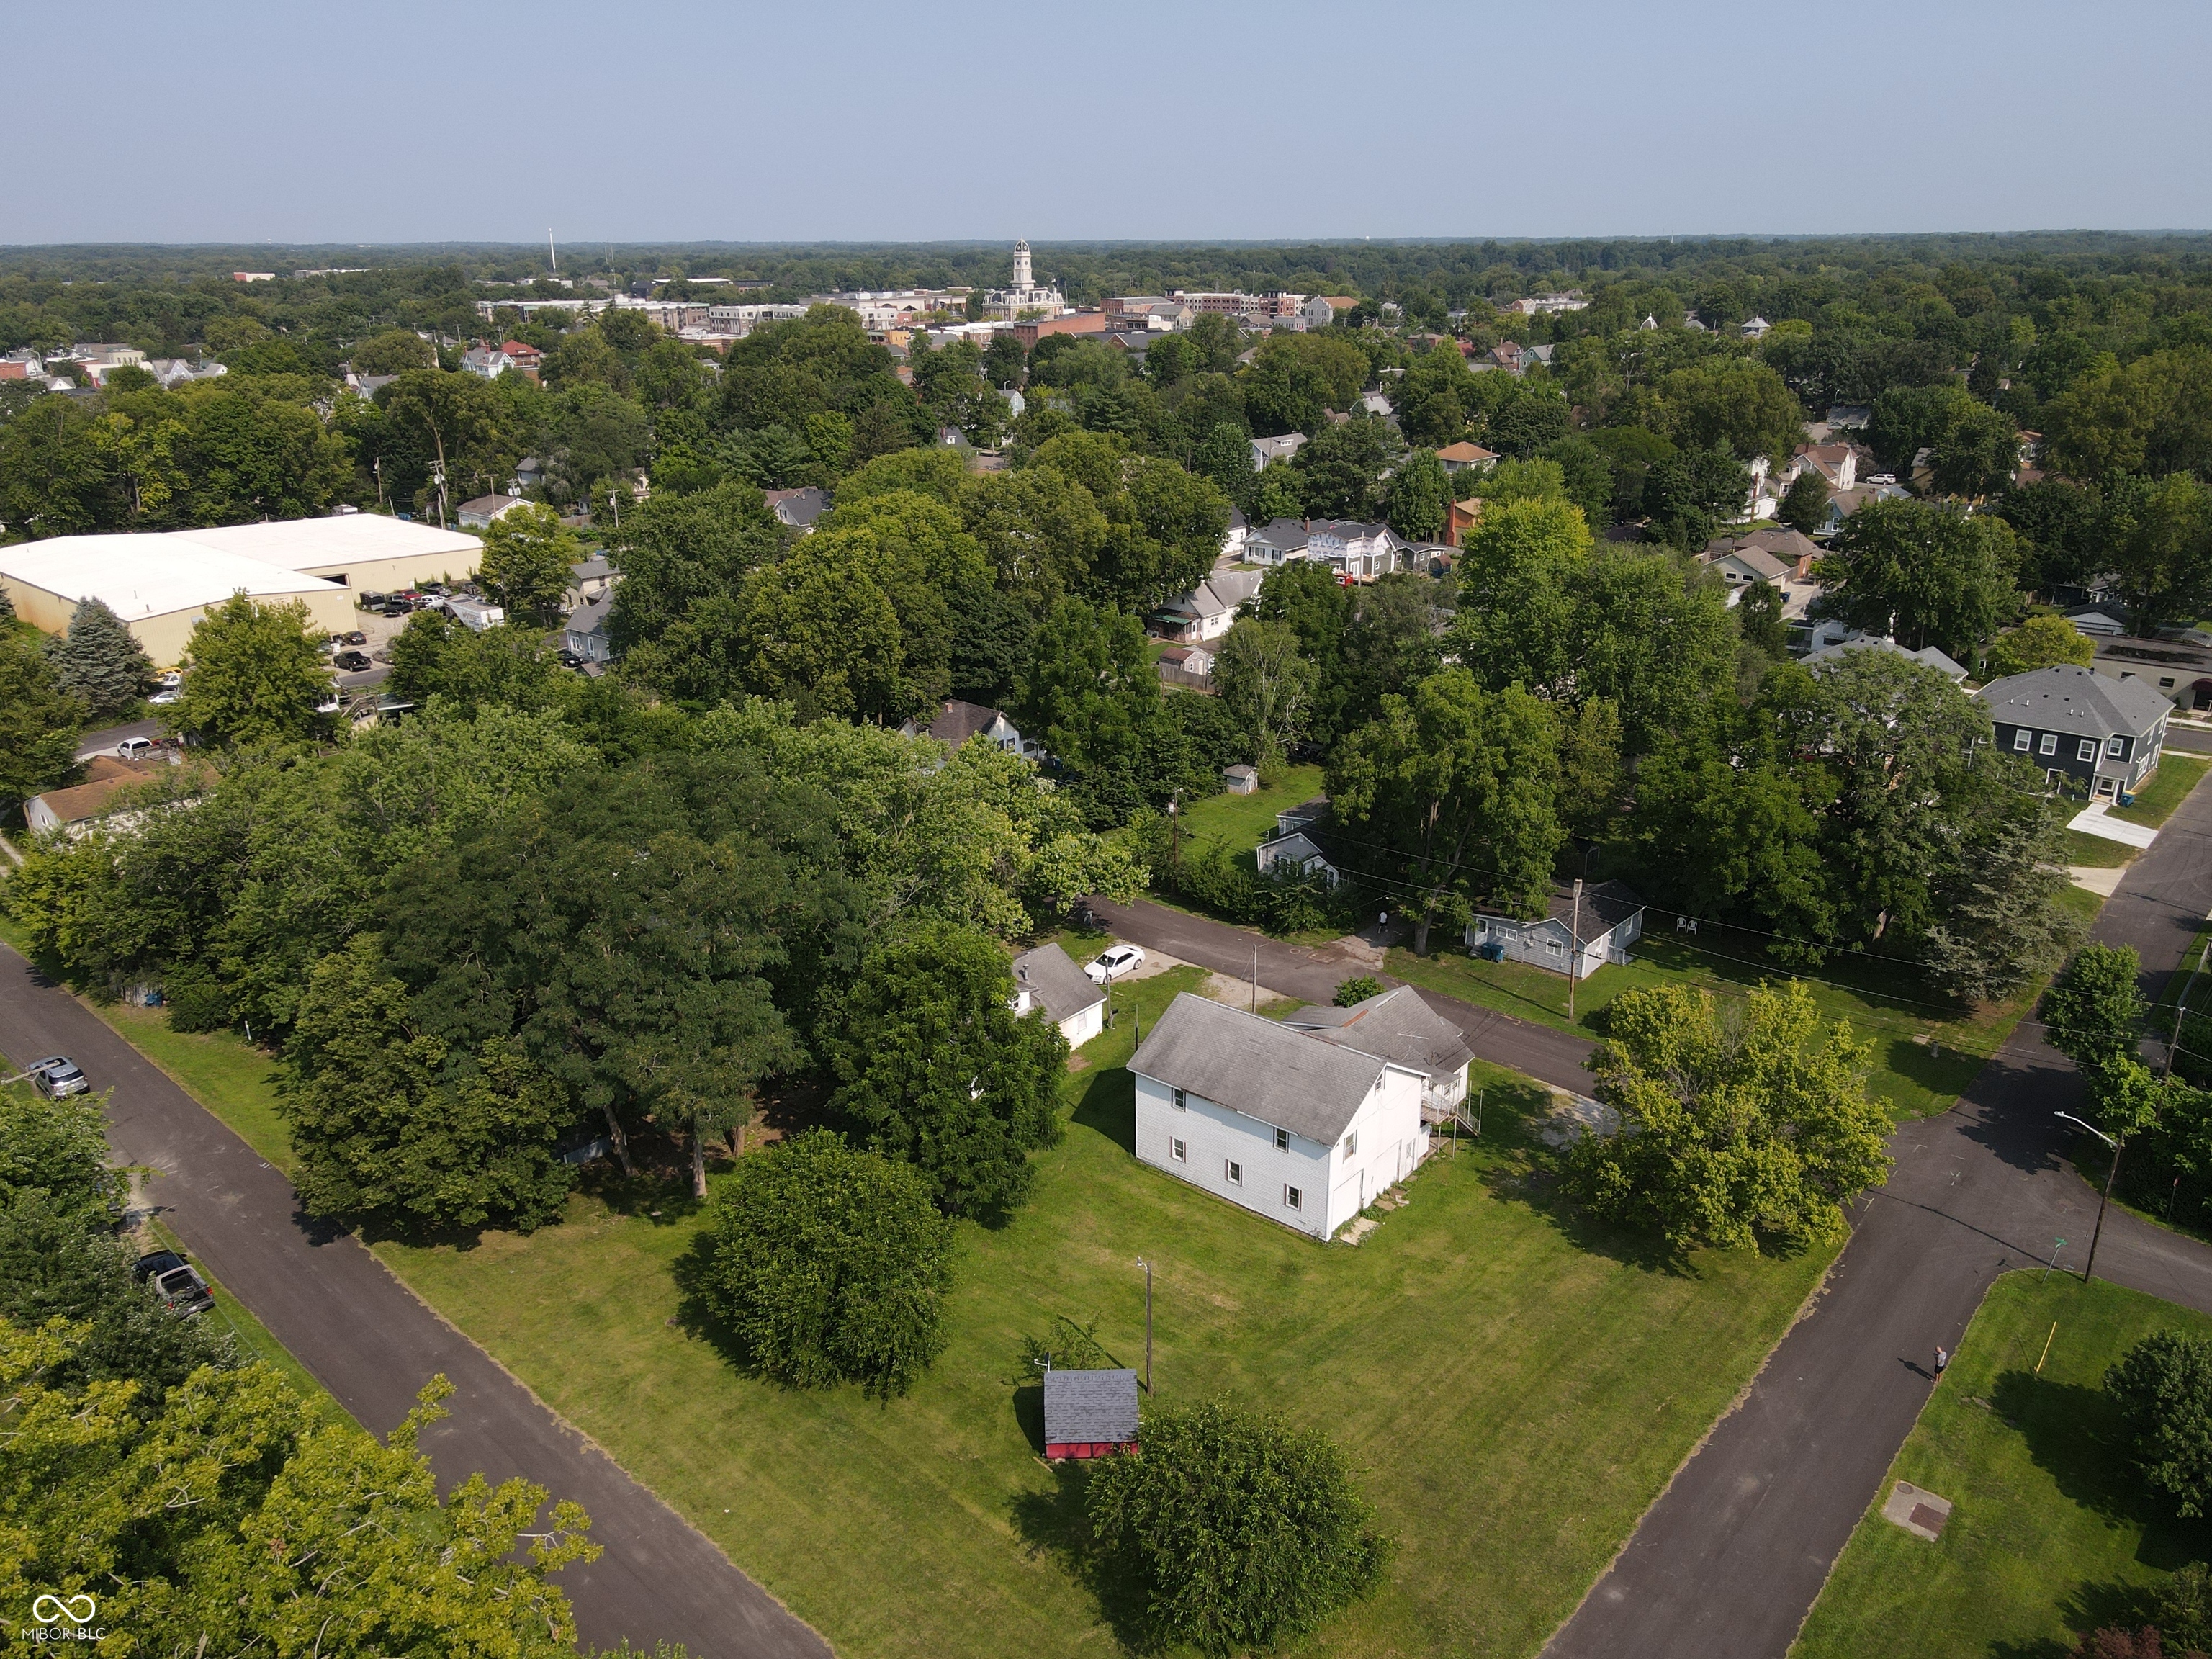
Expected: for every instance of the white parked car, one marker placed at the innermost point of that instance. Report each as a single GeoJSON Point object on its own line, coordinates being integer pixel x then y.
{"type": "Point", "coordinates": [1114, 963]}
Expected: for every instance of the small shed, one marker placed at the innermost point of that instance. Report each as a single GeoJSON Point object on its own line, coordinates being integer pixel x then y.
{"type": "Point", "coordinates": [1241, 780]}
{"type": "Point", "coordinates": [1294, 854]}
{"type": "Point", "coordinates": [1089, 1414]}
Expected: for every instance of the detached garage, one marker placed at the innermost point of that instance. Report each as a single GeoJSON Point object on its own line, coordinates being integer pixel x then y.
{"type": "Point", "coordinates": [161, 583]}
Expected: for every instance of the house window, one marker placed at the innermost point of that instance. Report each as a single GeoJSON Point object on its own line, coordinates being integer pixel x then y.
{"type": "Point", "coordinates": [2054, 777]}
{"type": "Point", "coordinates": [1352, 1143]}
{"type": "Point", "coordinates": [1234, 1172]}
{"type": "Point", "coordinates": [1175, 1150]}
{"type": "Point", "coordinates": [2115, 747]}
{"type": "Point", "coordinates": [2086, 750]}
{"type": "Point", "coordinates": [2050, 744]}
{"type": "Point", "coordinates": [1555, 947]}
{"type": "Point", "coordinates": [1282, 1140]}
{"type": "Point", "coordinates": [1177, 1095]}
{"type": "Point", "coordinates": [2021, 738]}
{"type": "Point", "coordinates": [2167, 684]}
{"type": "Point", "coordinates": [1293, 1198]}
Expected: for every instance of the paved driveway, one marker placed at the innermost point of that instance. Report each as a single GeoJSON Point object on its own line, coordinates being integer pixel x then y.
{"type": "Point", "coordinates": [373, 1345]}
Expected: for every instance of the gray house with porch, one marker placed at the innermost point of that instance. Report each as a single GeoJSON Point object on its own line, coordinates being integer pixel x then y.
{"type": "Point", "coordinates": [1565, 940]}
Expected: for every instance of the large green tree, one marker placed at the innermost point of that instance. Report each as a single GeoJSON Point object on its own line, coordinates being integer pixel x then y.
{"type": "Point", "coordinates": [100, 661]}
{"type": "Point", "coordinates": [936, 1068]}
{"type": "Point", "coordinates": [1927, 573]}
{"type": "Point", "coordinates": [393, 1123]}
{"type": "Point", "coordinates": [1235, 1529]}
{"type": "Point", "coordinates": [253, 673]}
{"type": "Point", "coordinates": [1459, 787]}
{"type": "Point", "coordinates": [1265, 685]}
{"type": "Point", "coordinates": [526, 562]}
{"type": "Point", "coordinates": [2162, 1390]}
{"type": "Point", "coordinates": [1734, 1133]}
{"type": "Point", "coordinates": [829, 1264]}
{"type": "Point", "coordinates": [39, 720]}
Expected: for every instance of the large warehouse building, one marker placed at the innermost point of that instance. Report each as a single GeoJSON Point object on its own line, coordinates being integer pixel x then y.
{"type": "Point", "coordinates": [161, 583]}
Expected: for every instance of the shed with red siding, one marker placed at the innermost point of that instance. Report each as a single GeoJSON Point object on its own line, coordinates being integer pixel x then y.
{"type": "Point", "coordinates": [1089, 1414]}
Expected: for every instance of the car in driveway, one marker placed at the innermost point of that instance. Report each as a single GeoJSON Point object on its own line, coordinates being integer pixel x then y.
{"type": "Point", "coordinates": [1113, 962]}
{"type": "Point", "coordinates": [58, 1077]}
{"type": "Point", "coordinates": [351, 661]}
{"type": "Point", "coordinates": [182, 1290]}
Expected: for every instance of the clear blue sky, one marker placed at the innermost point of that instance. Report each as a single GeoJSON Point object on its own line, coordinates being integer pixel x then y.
{"type": "Point", "coordinates": [228, 120]}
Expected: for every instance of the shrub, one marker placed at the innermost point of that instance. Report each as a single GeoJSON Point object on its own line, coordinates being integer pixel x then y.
{"type": "Point", "coordinates": [829, 1264]}
{"type": "Point", "coordinates": [1237, 1528]}
{"type": "Point", "coordinates": [2163, 1389]}
{"type": "Point", "coordinates": [196, 999]}
{"type": "Point", "coordinates": [1358, 990]}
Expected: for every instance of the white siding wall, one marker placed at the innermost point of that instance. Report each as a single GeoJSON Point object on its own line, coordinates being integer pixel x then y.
{"type": "Point", "coordinates": [1388, 1133]}
{"type": "Point", "coordinates": [1212, 1136]}
{"type": "Point", "coordinates": [1212, 628]}
{"type": "Point", "coordinates": [1390, 1143]}
{"type": "Point", "coordinates": [1079, 1029]}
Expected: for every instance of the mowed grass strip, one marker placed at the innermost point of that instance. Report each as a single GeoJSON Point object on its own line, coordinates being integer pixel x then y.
{"type": "Point", "coordinates": [1514, 1390]}
{"type": "Point", "coordinates": [2047, 1534]}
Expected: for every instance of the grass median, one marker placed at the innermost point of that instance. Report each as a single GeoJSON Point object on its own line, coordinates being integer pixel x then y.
{"type": "Point", "coordinates": [1515, 1387]}
{"type": "Point", "coordinates": [2048, 1536]}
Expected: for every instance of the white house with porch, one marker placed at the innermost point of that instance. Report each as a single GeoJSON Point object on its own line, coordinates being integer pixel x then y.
{"type": "Point", "coordinates": [1304, 1132]}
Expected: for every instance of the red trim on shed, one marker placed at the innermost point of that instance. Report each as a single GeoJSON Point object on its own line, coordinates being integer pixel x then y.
{"type": "Point", "coordinates": [1060, 1449]}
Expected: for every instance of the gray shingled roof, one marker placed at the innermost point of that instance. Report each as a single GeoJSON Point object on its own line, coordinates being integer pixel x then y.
{"type": "Point", "coordinates": [2079, 700]}
{"type": "Point", "coordinates": [1395, 1024]}
{"type": "Point", "coordinates": [1605, 906]}
{"type": "Point", "coordinates": [1927, 656]}
{"type": "Point", "coordinates": [1255, 1066]}
{"type": "Point", "coordinates": [1090, 1406]}
{"type": "Point", "coordinates": [1057, 982]}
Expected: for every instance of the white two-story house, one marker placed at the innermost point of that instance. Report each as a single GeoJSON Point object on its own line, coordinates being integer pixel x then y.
{"type": "Point", "coordinates": [1306, 1132]}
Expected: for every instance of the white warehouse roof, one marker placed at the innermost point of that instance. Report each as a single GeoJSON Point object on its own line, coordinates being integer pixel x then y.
{"type": "Point", "coordinates": [138, 576]}
{"type": "Point", "coordinates": [324, 544]}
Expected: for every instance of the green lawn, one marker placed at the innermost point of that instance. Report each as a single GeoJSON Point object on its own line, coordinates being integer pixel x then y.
{"type": "Point", "coordinates": [1515, 1387]}
{"type": "Point", "coordinates": [1924, 1053]}
{"type": "Point", "coordinates": [2169, 787]}
{"type": "Point", "coordinates": [1241, 820]}
{"type": "Point", "coordinates": [2096, 851]}
{"type": "Point", "coordinates": [216, 1066]}
{"type": "Point", "coordinates": [2045, 1537]}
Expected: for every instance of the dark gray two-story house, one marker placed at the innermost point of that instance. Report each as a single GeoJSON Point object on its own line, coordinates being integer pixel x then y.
{"type": "Point", "coordinates": [2080, 726]}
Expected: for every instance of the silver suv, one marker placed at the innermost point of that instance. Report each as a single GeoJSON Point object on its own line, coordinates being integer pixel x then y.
{"type": "Point", "coordinates": [58, 1077]}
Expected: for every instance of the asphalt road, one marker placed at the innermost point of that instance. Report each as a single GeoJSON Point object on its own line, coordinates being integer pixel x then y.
{"type": "Point", "coordinates": [103, 742]}
{"type": "Point", "coordinates": [373, 1345]}
{"type": "Point", "coordinates": [1313, 973]}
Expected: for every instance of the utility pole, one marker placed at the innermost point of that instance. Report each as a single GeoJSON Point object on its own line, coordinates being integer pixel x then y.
{"type": "Point", "coordinates": [2180, 1008]}
{"type": "Point", "coordinates": [1174, 839]}
{"type": "Point", "coordinates": [1147, 1267]}
{"type": "Point", "coordinates": [2110, 1173]}
{"type": "Point", "coordinates": [1255, 979]}
{"type": "Point", "coordinates": [1575, 951]}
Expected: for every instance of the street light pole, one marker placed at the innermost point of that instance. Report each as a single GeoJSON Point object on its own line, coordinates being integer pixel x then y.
{"type": "Point", "coordinates": [1575, 951]}
{"type": "Point", "coordinates": [2110, 1174]}
{"type": "Point", "coordinates": [1147, 1267]}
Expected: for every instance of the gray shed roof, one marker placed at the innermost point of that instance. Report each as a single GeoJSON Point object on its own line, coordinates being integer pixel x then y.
{"type": "Point", "coordinates": [2076, 699]}
{"type": "Point", "coordinates": [1255, 1066]}
{"type": "Point", "coordinates": [1395, 1024]}
{"type": "Point", "coordinates": [1089, 1407]}
{"type": "Point", "coordinates": [1057, 982]}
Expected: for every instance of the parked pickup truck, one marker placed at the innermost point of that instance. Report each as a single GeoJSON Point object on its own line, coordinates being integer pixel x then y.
{"type": "Point", "coordinates": [182, 1290]}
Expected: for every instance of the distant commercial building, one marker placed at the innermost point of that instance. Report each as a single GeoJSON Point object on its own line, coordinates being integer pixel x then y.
{"type": "Point", "coordinates": [161, 584]}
